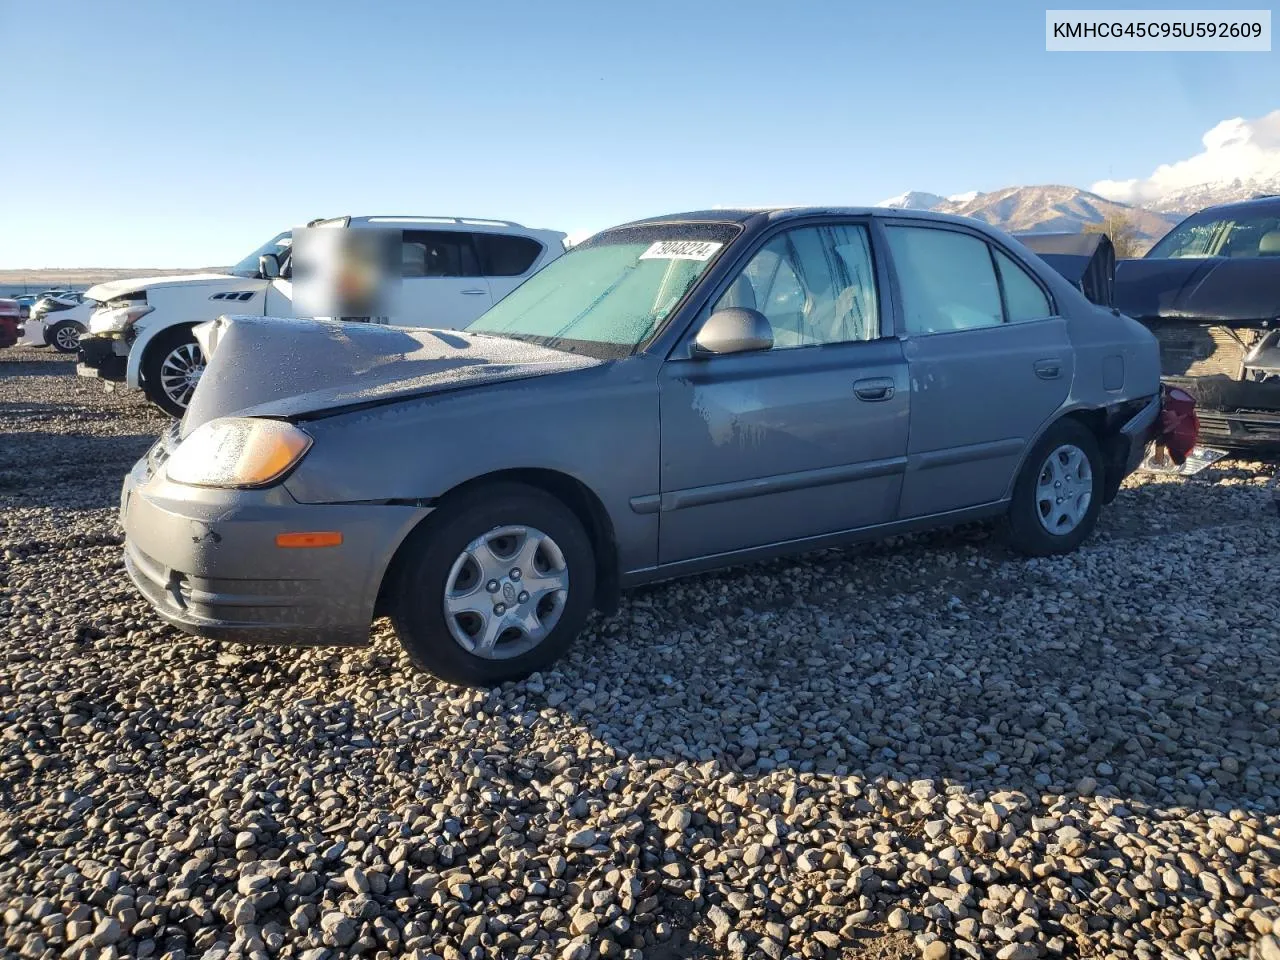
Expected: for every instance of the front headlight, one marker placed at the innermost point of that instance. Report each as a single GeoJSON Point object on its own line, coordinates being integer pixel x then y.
{"type": "Point", "coordinates": [238, 452]}
{"type": "Point", "coordinates": [111, 319]}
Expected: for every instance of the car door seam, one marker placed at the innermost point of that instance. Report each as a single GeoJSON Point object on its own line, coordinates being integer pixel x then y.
{"type": "Point", "coordinates": [765, 486]}
{"type": "Point", "coordinates": [970, 453]}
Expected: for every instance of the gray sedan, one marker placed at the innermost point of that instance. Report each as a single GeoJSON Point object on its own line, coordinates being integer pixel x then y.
{"type": "Point", "coordinates": [674, 395]}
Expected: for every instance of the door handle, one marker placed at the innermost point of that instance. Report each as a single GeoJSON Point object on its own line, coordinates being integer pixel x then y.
{"type": "Point", "coordinates": [874, 389]}
{"type": "Point", "coordinates": [1048, 369]}
{"type": "Point", "coordinates": [473, 292]}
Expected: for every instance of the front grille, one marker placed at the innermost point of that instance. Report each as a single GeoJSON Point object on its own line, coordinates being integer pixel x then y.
{"type": "Point", "coordinates": [1200, 350]}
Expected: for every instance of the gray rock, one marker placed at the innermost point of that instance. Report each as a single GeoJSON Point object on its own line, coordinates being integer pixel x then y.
{"type": "Point", "coordinates": [107, 932]}
{"type": "Point", "coordinates": [808, 744]}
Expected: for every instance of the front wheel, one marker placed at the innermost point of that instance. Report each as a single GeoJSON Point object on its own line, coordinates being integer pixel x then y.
{"type": "Point", "coordinates": [171, 369]}
{"type": "Point", "coordinates": [495, 585]}
{"type": "Point", "coordinates": [1058, 494]}
{"type": "Point", "coordinates": [64, 336]}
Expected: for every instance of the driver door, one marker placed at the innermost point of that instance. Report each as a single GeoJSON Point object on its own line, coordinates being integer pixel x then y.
{"type": "Point", "coordinates": [805, 439]}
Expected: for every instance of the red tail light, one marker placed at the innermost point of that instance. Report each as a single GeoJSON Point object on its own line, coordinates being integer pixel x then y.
{"type": "Point", "coordinates": [1178, 422]}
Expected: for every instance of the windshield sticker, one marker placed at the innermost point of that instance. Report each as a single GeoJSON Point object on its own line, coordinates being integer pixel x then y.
{"type": "Point", "coordinates": [681, 250]}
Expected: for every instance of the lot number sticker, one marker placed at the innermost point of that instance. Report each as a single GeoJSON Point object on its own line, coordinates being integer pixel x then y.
{"type": "Point", "coordinates": [681, 250]}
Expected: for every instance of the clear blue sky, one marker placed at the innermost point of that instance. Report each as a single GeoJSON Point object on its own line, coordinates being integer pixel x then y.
{"type": "Point", "coordinates": [169, 133]}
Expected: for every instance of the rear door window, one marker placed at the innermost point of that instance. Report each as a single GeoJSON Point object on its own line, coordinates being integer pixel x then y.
{"type": "Point", "coordinates": [1022, 295]}
{"type": "Point", "coordinates": [947, 279]}
{"type": "Point", "coordinates": [439, 253]}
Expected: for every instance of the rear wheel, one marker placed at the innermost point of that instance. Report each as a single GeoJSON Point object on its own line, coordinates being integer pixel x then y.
{"type": "Point", "coordinates": [64, 336]}
{"type": "Point", "coordinates": [171, 369]}
{"type": "Point", "coordinates": [494, 586]}
{"type": "Point", "coordinates": [1058, 495]}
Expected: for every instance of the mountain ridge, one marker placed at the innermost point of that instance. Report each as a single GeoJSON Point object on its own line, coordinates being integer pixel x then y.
{"type": "Point", "coordinates": [1041, 208]}
{"type": "Point", "coordinates": [1048, 208]}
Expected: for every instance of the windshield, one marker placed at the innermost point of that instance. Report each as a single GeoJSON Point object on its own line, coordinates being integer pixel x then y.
{"type": "Point", "coordinates": [1214, 235]}
{"type": "Point", "coordinates": [612, 293]}
{"type": "Point", "coordinates": [279, 245]}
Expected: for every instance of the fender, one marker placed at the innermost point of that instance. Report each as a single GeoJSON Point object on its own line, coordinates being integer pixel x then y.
{"type": "Point", "coordinates": [1106, 423]}
{"type": "Point", "coordinates": [187, 304]}
{"type": "Point", "coordinates": [138, 349]}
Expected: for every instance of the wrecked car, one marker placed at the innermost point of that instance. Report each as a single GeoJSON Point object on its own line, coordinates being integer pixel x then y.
{"type": "Point", "coordinates": [1210, 292]}
{"type": "Point", "coordinates": [673, 395]}
{"type": "Point", "coordinates": [9, 321]}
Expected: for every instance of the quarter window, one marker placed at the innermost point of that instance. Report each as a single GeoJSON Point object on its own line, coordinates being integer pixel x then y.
{"type": "Point", "coordinates": [502, 255]}
{"type": "Point", "coordinates": [947, 279]}
{"type": "Point", "coordinates": [1023, 298]}
{"type": "Point", "coordinates": [815, 285]}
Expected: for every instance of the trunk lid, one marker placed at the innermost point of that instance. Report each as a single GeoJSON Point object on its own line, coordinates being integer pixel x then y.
{"type": "Point", "coordinates": [1088, 260]}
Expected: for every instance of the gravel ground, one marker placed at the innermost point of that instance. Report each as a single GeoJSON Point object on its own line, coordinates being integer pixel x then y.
{"type": "Point", "coordinates": [924, 748]}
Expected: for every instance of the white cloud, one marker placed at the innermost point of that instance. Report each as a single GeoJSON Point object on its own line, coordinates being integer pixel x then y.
{"type": "Point", "coordinates": [1236, 149]}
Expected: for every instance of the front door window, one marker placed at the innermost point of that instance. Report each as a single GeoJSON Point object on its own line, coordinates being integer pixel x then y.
{"type": "Point", "coordinates": [815, 285]}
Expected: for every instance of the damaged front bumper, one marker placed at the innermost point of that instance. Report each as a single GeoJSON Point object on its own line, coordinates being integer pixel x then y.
{"type": "Point", "coordinates": [1233, 371]}
{"type": "Point", "coordinates": [208, 563]}
{"type": "Point", "coordinates": [106, 358]}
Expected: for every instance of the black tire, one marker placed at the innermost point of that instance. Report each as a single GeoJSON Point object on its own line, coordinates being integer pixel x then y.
{"type": "Point", "coordinates": [1026, 532]}
{"type": "Point", "coordinates": [56, 336]}
{"type": "Point", "coordinates": [158, 351]}
{"type": "Point", "coordinates": [423, 567]}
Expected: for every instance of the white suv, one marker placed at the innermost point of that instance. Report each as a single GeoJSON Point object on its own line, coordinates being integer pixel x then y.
{"type": "Point", "coordinates": [455, 268]}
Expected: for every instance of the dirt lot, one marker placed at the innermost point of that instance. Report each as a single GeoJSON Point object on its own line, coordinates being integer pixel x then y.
{"type": "Point", "coordinates": [928, 747]}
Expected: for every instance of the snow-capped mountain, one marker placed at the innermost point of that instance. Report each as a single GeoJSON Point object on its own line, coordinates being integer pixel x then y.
{"type": "Point", "coordinates": [1055, 208]}
{"type": "Point", "coordinates": [1190, 199]}
{"type": "Point", "coordinates": [1239, 159]}
{"type": "Point", "coordinates": [920, 200]}
{"type": "Point", "coordinates": [914, 200]}
{"type": "Point", "coordinates": [1043, 209]}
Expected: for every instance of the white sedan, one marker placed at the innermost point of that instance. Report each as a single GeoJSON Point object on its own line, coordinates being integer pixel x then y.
{"type": "Point", "coordinates": [59, 327]}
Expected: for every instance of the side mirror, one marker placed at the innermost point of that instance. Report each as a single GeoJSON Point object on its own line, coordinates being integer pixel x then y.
{"type": "Point", "coordinates": [269, 266]}
{"type": "Point", "coordinates": [733, 330]}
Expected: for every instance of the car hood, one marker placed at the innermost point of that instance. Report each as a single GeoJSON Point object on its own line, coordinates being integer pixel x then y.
{"type": "Point", "coordinates": [103, 292]}
{"type": "Point", "coordinates": [294, 368]}
{"type": "Point", "coordinates": [1206, 288]}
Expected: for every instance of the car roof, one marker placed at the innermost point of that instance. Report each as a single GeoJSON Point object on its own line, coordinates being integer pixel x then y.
{"type": "Point", "coordinates": [446, 223]}
{"type": "Point", "coordinates": [746, 215]}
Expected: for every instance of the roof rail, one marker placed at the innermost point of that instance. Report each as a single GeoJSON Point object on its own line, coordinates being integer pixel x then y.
{"type": "Point", "coordinates": [470, 221]}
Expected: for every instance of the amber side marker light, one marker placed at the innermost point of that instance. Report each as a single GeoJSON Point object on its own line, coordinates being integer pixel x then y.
{"type": "Point", "coordinates": [326, 538]}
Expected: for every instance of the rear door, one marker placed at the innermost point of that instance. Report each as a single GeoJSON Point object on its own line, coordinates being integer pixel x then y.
{"type": "Point", "coordinates": [989, 358]}
{"type": "Point", "coordinates": [506, 260]}
{"type": "Point", "coordinates": [805, 439]}
{"type": "Point", "coordinates": [443, 285]}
